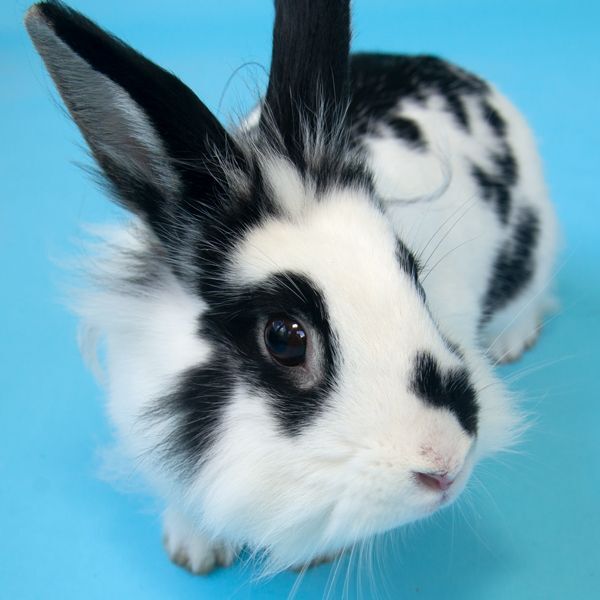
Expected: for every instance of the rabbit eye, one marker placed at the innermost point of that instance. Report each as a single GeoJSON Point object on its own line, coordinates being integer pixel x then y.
{"type": "Point", "coordinates": [285, 339]}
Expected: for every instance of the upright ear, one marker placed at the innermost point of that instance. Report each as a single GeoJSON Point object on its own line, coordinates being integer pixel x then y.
{"type": "Point", "coordinates": [153, 138]}
{"type": "Point", "coordinates": [309, 78]}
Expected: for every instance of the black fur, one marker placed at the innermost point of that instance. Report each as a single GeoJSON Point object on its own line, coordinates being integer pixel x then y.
{"type": "Point", "coordinates": [379, 83]}
{"type": "Point", "coordinates": [409, 264]}
{"type": "Point", "coordinates": [188, 130]}
{"type": "Point", "coordinates": [515, 265]}
{"type": "Point", "coordinates": [220, 235]}
{"type": "Point", "coordinates": [338, 166]}
{"type": "Point", "coordinates": [206, 218]}
{"type": "Point", "coordinates": [197, 405]}
{"type": "Point", "coordinates": [451, 390]}
{"type": "Point", "coordinates": [308, 83]}
{"type": "Point", "coordinates": [493, 118]}
{"type": "Point", "coordinates": [407, 129]}
{"type": "Point", "coordinates": [496, 186]}
{"type": "Point", "coordinates": [234, 324]}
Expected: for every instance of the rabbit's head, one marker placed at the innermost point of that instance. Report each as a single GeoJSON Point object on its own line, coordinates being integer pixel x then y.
{"type": "Point", "coordinates": [270, 339]}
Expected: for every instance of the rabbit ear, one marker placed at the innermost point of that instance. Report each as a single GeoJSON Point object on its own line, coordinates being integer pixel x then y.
{"type": "Point", "coordinates": [154, 139]}
{"type": "Point", "coordinates": [308, 84]}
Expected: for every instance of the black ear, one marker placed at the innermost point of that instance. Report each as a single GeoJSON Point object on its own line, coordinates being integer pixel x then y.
{"type": "Point", "coordinates": [153, 138]}
{"type": "Point", "coordinates": [309, 79]}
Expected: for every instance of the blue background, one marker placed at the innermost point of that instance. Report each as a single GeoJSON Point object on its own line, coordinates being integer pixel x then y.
{"type": "Point", "coordinates": [528, 528]}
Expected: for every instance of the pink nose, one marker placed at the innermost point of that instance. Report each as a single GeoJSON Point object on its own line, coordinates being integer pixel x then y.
{"type": "Point", "coordinates": [434, 481]}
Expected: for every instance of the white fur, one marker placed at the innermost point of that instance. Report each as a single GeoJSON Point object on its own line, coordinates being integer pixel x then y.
{"type": "Point", "coordinates": [457, 236]}
{"type": "Point", "coordinates": [188, 547]}
{"type": "Point", "coordinates": [349, 474]}
{"type": "Point", "coordinates": [150, 338]}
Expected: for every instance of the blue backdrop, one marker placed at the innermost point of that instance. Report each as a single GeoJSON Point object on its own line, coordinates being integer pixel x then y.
{"type": "Point", "coordinates": [529, 526]}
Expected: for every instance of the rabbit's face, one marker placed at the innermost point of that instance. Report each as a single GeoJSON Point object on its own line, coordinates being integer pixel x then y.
{"type": "Point", "coordinates": [343, 410]}
{"type": "Point", "coordinates": [270, 348]}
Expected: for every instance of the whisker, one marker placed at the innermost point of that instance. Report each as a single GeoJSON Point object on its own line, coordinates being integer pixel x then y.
{"type": "Point", "coordinates": [452, 214]}
{"type": "Point", "coordinates": [461, 216]}
{"type": "Point", "coordinates": [447, 254]}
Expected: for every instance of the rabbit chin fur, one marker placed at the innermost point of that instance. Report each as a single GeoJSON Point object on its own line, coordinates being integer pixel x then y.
{"type": "Point", "coordinates": [411, 236]}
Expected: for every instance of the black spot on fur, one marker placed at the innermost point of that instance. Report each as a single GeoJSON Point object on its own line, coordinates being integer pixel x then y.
{"type": "Point", "coordinates": [407, 129]}
{"type": "Point", "coordinates": [493, 118]}
{"type": "Point", "coordinates": [409, 264]}
{"type": "Point", "coordinates": [515, 264]}
{"type": "Point", "coordinates": [507, 166]}
{"type": "Point", "coordinates": [496, 185]}
{"type": "Point", "coordinates": [493, 190]}
{"type": "Point", "coordinates": [196, 406]}
{"type": "Point", "coordinates": [451, 389]}
{"type": "Point", "coordinates": [379, 83]}
{"type": "Point", "coordinates": [453, 347]}
{"type": "Point", "coordinates": [456, 106]}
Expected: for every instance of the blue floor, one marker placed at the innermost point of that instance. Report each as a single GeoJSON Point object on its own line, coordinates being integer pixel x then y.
{"type": "Point", "coordinates": [529, 527]}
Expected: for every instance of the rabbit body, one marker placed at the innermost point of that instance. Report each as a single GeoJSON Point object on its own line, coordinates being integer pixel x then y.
{"type": "Point", "coordinates": [401, 237]}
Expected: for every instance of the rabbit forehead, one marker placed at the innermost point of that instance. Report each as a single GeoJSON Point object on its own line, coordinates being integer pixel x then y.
{"type": "Point", "coordinates": [344, 245]}
{"type": "Point", "coordinates": [324, 237]}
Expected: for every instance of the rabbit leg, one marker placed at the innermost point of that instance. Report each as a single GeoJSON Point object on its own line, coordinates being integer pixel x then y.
{"type": "Point", "coordinates": [516, 329]}
{"type": "Point", "coordinates": [191, 549]}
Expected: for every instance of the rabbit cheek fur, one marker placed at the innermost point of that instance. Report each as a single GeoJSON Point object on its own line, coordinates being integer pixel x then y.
{"type": "Point", "coordinates": [344, 219]}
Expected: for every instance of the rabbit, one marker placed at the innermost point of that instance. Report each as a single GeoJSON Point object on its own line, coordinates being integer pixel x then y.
{"type": "Point", "coordinates": [301, 315]}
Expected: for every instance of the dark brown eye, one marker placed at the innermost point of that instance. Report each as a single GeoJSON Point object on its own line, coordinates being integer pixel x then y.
{"type": "Point", "coordinates": [285, 340]}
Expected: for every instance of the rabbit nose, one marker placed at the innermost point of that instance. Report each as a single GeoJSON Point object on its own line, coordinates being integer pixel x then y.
{"type": "Point", "coordinates": [434, 481]}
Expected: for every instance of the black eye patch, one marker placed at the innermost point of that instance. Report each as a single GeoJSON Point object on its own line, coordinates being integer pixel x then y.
{"type": "Point", "coordinates": [231, 324]}
{"type": "Point", "coordinates": [237, 327]}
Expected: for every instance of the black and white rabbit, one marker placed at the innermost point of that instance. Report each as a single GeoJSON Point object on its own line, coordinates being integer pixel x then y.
{"type": "Point", "coordinates": [298, 315]}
